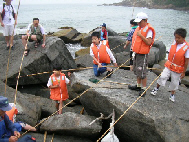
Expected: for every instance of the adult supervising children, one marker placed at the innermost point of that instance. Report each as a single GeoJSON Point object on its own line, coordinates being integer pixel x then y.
{"type": "Point", "coordinates": [176, 65]}
{"type": "Point", "coordinates": [101, 56]}
{"type": "Point", "coordinates": [142, 40]}
{"type": "Point", "coordinates": [8, 17]}
{"type": "Point", "coordinates": [134, 25]}
{"type": "Point", "coordinates": [57, 84]}
{"type": "Point", "coordinates": [35, 32]}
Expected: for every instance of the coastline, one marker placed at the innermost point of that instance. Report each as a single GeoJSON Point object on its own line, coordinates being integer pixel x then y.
{"type": "Point", "coordinates": [147, 5]}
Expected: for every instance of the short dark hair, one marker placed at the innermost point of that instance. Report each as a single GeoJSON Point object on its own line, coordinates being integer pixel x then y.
{"type": "Point", "coordinates": [133, 23]}
{"type": "Point", "coordinates": [57, 67]}
{"type": "Point", "coordinates": [181, 32]}
{"type": "Point", "coordinates": [35, 19]}
{"type": "Point", "coordinates": [97, 34]}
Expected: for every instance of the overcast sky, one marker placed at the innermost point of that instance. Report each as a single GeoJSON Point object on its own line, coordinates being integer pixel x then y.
{"type": "Point", "coordinates": [61, 1]}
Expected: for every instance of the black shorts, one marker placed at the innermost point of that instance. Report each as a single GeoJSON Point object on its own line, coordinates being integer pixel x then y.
{"type": "Point", "coordinates": [39, 38]}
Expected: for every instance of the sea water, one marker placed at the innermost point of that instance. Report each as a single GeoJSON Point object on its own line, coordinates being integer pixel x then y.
{"type": "Point", "coordinates": [85, 17]}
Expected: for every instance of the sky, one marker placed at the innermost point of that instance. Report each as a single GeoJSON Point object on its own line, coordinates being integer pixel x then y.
{"type": "Point", "coordinates": [14, 2]}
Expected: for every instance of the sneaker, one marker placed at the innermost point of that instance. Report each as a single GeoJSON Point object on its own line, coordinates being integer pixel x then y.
{"type": "Point", "coordinates": [134, 87]}
{"type": "Point", "coordinates": [109, 73]}
{"type": "Point", "coordinates": [172, 98]}
{"type": "Point", "coordinates": [154, 91]}
{"type": "Point", "coordinates": [141, 93]}
{"type": "Point", "coordinates": [12, 47]}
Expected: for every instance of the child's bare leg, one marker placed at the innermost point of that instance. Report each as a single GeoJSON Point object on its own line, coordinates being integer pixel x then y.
{"type": "Point", "coordinates": [60, 106]}
{"type": "Point", "coordinates": [28, 127]}
{"type": "Point", "coordinates": [57, 106]}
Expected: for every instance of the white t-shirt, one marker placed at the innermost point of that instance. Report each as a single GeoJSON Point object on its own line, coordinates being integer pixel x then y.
{"type": "Point", "coordinates": [42, 29]}
{"type": "Point", "coordinates": [8, 18]}
{"type": "Point", "coordinates": [58, 78]}
{"type": "Point", "coordinates": [180, 46]}
{"type": "Point", "coordinates": [107, 50]}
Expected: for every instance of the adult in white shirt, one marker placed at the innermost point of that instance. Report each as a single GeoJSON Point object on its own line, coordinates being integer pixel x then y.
{"type": "Point", "coordinates": [35, 32]}
{"type": "Point", "coordinates": [8, 18]}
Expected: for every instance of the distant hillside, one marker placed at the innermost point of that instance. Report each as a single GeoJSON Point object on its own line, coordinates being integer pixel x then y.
{"type": "Point", "coordinates": [160, 4]}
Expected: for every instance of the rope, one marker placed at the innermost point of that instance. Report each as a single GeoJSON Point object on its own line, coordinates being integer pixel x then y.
{"type": "Point", "coordinates": [52, 138]}
{"type": "Point", "coordinates": [78, 70]}
{"type": "Point", "coordinates": [19, 74]}
{"type": "Point", "coordinates": [10, 50]}
{"type": "Point", "coordinates": [128, 108]}
{"type": "Point", "coordinates": [45, 136]}
{"type": "Point", "coordinates": [75, 98]}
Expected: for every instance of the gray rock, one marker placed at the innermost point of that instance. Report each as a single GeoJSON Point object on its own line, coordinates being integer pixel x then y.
{"type": "Point", "coordinates": [84, 61]}
{"type": "Point", "coordinates": [68, 35]}
{"type": "Point", "coordinates": [151, 119]}
{"type": "Point", "coordinates": [72, 123]}
{"type": "Point", "coordinates": [39, 60]}
{"type": "Point", "coordinates": [122, 57]}
{"type": "Point", "coordinates": [28, 106]}
{"type": "Point", "coordinates": [162, 49]}
{"type": "Point", "coordinates": [58, 138]}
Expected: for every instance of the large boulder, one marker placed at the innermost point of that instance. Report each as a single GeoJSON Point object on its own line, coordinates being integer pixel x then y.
{"type": "Point", "coordinates": [86, 42]}
{"type": "Point", "coordinates": [39, 60]}
{"type": "Point", "coordinates": [151, 119]}
{"type": "Point", "coordinates": [72, 123]}
{"type": "Point", "coordinates": [28, 106]}
{"type": "Point", "coordinates": [68, 35]}
{"type": "Point", "coordinates": [58, 138]}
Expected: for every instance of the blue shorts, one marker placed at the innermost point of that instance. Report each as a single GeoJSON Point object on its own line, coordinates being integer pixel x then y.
{"type": "Point", "coordinates": [98, 71]}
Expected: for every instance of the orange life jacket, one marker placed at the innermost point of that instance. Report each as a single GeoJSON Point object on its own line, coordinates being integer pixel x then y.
{"type": "Point", "coordinates": [105, 42]}
{"type": "Point", "coordinates": [138, 45]}
{"type": "Point", "coordinates": [100, 54]}
{"type": "Point", "coordinates": [11, 113]}
{"type": "Point", "coordinates": [60, 92]}
{"type": "Point", "coordinates": [176, 60]}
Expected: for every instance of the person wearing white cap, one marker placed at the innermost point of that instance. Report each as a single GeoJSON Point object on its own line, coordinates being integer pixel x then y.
{"type": "Point", "coordinates": [142, 41]}
{"type": "Point", "coordinates": [8, 18]}
{"type": "Point", "coordinates": [8, 132]}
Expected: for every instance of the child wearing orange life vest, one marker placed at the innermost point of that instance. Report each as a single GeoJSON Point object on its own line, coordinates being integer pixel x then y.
{"type": "Point", "coordinates": [18, 125]}
{"type": "Point", "coordinates": [58, 89]}
{"type": "Point", "coordinates": [176, 64]}
{"type": "Point", "coordinates": [101, 56]}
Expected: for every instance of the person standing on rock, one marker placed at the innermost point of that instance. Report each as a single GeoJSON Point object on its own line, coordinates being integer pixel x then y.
{"type": "Point", "coordinates": [134, 25]}
{"type": "Point", "coordinates": [35, 32]}
{"type": "Point", "coordinates": [104, 36]}
{"type": "Point", "coordinates": [8, 18]}
{"type": "Point", "coordinates": [176, 65]}
{"type": "Point", "coordinates": [101, 56]}
{"type": "Point", "coordinates": [58, 89]}
{"type": "Point", "coordinates": [142, 41]}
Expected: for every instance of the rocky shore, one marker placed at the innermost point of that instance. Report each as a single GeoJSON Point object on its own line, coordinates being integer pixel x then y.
{"type": "Point", "coordinates": [152, 118]}
{"type": "Point", "coordinates": [147, 3]}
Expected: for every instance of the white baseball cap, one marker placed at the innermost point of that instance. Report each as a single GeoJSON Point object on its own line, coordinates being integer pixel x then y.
{"type": "Point", "coordinates": [140, 16]}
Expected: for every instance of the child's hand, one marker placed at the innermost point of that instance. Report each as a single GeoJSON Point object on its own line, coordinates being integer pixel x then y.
{"type": "Point", "coordinates": [69, 74]}
{"type": "Point", "coordinates": [100, 65]}
{"type": "Point", "coordinates": [182, 75]}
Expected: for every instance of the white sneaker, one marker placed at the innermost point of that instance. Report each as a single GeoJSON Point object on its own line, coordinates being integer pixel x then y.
{"type": "Point", "coordinates": [154, 91]}
{"type": "Point", "coordinates": [172, 98]}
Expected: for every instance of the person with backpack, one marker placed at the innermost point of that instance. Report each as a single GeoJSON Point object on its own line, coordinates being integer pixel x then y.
{"type": "Point", "coordinates": [8, 18]}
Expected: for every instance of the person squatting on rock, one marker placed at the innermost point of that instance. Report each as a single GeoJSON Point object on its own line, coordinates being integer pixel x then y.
{"type": "Point", "coordinates": [35, 32]}
{"type": "Point", "coordinates": [134, 25]}
{"type": "Point", "coordinates": [58, 89]}
{"type": "Point", "coordinates": [18, 125]}
{"type": "Point", "coordinates": [8, 131]}
{"type": "Point", "coordinates": [143, 39]}
{"type": "Point", "coordinates": [8, 18]}
{"type": "Point", "coordinates": [176, 65]}
{"type": "Point", "coordinates": [101, 56]}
